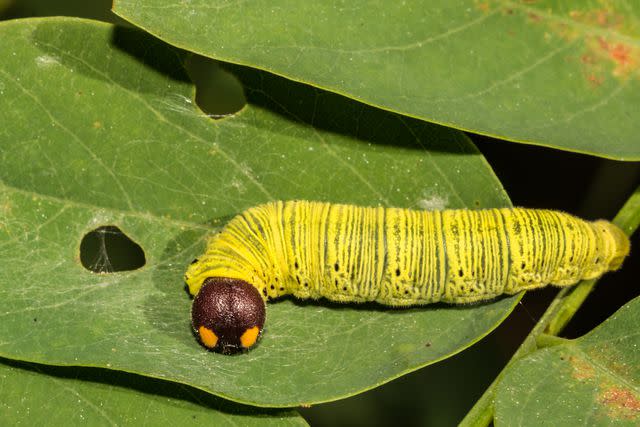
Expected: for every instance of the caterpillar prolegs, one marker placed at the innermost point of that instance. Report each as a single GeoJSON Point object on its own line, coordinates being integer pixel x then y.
{"type": "Point", "coordinates": [396, 257]}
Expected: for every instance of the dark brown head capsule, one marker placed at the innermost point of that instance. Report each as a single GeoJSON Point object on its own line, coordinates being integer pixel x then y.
{"type": "Point", "coordinates": [227, 314]}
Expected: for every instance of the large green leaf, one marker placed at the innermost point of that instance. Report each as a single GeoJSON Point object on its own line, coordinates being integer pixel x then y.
{"type": "Point", "coordinates": [98, 128]}
{"type": "Point", "coordinates": [593, 380]}
{"type": "Point", "coordinates": [560, 74]}
{"type": "Point", "coordinates": [43, 395]}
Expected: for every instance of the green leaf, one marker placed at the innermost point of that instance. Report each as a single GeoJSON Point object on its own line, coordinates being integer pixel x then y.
{"type": "Point", "coordinates": [593, 380]}
{"type": "Point", "coordinates": [559, 74]}
{"type": "Point", "coordinates": [44, 395]}
{"type": "Point", "coordinates": [98, 128]}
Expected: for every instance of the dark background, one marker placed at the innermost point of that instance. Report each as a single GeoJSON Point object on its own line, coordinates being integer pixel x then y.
{"type": "Point", "coordinates": [532, 176]}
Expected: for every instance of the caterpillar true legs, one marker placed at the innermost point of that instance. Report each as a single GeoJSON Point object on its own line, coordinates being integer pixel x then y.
{"type": "Point", "coordinates": [396, 257]}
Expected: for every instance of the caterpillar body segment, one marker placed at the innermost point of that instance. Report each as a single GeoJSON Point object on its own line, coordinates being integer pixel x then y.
{"type": "Point", "coordinates": [402, 257]}
{"type": "Point", "coordinates": [406, 257]}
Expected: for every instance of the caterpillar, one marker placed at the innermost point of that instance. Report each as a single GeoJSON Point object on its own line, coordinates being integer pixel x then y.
{"type": "Point", "coordinates": [396, 257]}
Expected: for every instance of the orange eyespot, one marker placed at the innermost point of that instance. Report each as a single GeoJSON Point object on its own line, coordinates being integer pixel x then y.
{"type": "Point", "coordinates": [249, 337]}
{"type": "Point", "coordinates": [207, 337]}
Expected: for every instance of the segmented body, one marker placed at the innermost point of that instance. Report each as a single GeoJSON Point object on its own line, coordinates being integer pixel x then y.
{"type": "Point", "coordinates": [406, 257]}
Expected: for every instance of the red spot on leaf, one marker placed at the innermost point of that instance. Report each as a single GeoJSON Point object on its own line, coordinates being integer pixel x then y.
{"type": "Point", "coordinates": [603, 55]}
{"type": "Point", "coordinates": [621, 54]}
{"type": "Point", "coordinates": [621, 403]}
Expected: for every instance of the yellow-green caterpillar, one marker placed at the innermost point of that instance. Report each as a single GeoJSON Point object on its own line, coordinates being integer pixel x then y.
{"type": "Point", "coordinates": [396, 257]}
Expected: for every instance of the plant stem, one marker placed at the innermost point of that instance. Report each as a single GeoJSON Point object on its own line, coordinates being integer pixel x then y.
{"type": "Point", "coordinates": [627, 219]}
{"type": "Point", "coordinates": [555, 318]}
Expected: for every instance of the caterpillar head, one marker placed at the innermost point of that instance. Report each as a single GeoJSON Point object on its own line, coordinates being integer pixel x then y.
{"type": "Point", "coordinates": [227, 315]}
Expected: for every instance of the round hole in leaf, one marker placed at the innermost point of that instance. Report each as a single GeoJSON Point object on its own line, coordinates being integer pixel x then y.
{"type": "Point", "coordinates": [219, 93]}
{"type": "Point", "coordinates": [107, 250]}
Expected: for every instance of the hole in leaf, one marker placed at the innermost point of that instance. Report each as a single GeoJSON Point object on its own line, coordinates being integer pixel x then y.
{"type": "Point", "coordinates": [219, 94]}
{"type": "Point", "coordinates": [107, 249]}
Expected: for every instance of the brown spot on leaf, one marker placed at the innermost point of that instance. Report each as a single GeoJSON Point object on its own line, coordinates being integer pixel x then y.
{"type": "Point", "coordinates": [588, 59]}
{"type": "Point", "coordinates": [613, 358]}
{"type": "Point", "coordinates": [595, 80]}
{"type": "Point", "coordinates": [603, 43]}
{"type": "Point", "coordinates": [534, 17]}
{"type": "Point", "coordinates": [484, 6]}
{"type": "Point", "coordinates": [603, 18]}
{"type": "Point", "coordinates": [621, 403]}
{"type": "Point", "coordinates": [581, 369]}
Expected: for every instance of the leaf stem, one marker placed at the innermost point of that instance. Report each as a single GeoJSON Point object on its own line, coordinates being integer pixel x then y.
{"type": "Point", "coordinates": [546, 340]}
{"type": "Point", "coordinates": [555, 318]}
